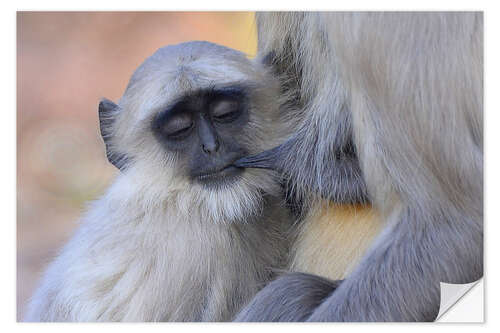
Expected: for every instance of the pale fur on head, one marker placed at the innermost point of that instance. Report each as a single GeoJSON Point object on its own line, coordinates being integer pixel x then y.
{"type": "Point", "coordinates": [157, 247]}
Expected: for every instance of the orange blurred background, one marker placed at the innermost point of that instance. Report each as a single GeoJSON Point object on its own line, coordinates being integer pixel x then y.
{"type": "Point", "coordinates": [67, 61]}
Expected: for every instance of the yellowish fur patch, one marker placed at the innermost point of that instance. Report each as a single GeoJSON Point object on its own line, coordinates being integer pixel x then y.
{"type": "Point", "coordinates": [333, 238]}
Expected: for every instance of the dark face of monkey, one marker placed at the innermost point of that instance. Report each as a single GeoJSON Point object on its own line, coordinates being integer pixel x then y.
{"type": "Point", "coordinates": [202, 128]}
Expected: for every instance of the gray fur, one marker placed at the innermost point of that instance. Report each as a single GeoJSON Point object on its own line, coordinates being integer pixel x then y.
{"type": "Point", "coordinates": [292, 297]}
{"type": "Point", "coordinates": [406, 88]}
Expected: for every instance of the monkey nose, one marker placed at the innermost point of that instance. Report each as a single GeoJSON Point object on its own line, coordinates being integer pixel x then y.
{"type": "Point", "coordinates": [210, 147]}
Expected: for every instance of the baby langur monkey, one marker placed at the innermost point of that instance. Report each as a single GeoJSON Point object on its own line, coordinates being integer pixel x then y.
{"type": "Point", "coordinates": [181, 234]}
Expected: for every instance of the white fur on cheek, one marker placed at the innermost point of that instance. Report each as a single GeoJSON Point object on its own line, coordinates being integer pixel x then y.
{"type": "Point", "coordinates": [159, 180]}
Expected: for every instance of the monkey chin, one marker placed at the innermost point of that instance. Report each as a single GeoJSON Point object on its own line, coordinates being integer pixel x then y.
{"type": "Point", "coordinates": [219, 179]}
{"type": "Point", "coordinates": [236, 197]}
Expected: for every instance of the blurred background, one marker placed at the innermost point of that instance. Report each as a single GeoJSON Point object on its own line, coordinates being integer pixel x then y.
{"type": "Point", "coordinates": [67, 61]}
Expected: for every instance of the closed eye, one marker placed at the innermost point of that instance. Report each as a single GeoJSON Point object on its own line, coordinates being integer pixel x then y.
{"type": "Point", "coordinates": [225, 111]}
{"type": "Point", "coordinates": [178, 127]}
{"type": "Point", "coordinates": [227, 117]}
{"type": "Point", "coordinates": [180, 132]}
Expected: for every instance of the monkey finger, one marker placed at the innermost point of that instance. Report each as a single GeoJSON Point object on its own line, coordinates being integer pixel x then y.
{"type": "Point", "coordinates": [265, 160]}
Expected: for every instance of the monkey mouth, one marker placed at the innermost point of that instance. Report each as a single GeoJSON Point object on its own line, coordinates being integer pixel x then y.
{"type": "Point", "coordinates": [222, 176]}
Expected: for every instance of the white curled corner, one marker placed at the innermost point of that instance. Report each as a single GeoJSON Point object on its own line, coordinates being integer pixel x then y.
{"type": "Point", "coordinates": [458, 304]}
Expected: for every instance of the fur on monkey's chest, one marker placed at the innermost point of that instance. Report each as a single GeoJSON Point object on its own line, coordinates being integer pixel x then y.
{"type": "Point", "coordinates": [162, 268]}
{"type": "Point", "coordinates": [183, 268]}
{"type": "Point", "coordinates": [333, 238]}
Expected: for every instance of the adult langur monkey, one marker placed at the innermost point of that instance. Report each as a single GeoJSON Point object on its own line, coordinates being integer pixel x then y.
{"type": "Point", "coordinates": [182, 234]}
{"type": "Point", "coordinates": [390, 109]}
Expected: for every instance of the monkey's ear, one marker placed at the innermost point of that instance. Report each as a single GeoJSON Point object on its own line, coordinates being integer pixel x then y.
{"type": "Point", "coordinates": [107, 111]}
{"type": "Point", "coordinates": [107, 114]}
